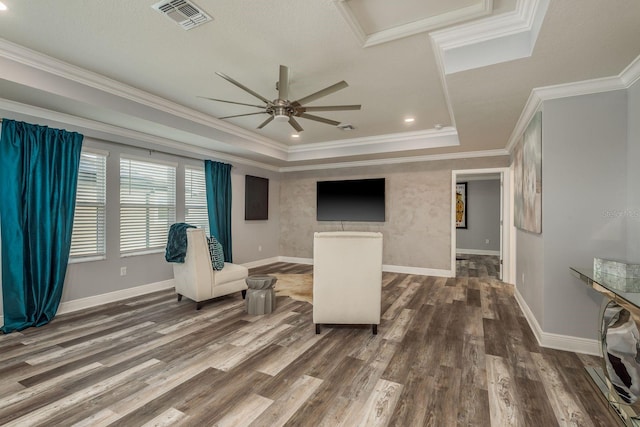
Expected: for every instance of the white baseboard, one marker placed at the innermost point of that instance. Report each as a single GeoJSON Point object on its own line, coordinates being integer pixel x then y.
{"type": "Point", "coordinates": [477, 252]}
{"type": "Point", "coordinates": [261, 262]}
{"type": "Point", "coordinates": [295, 260]}
{"type": "Point", "coordinates": [96, 300]}
{"type": "Point", "coordinates": [557, 341]}
{"type": "Point", "coordinates": [385, 267]}
{"type": "Point", "coordinates": [93, 301]}
{"type": "Point", "coordinates": [417, 270]}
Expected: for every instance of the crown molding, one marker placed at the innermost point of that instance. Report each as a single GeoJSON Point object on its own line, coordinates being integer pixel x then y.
{"type": "Point", "coordinates": [631, 74]}
{"type": "Point", "coordinates": [103, 131]}
{"type": "Point", "coordinates": [351, 20]}
{"type": "Point", "coordinates": [627, 78]}
{"type": "Point", "coordinates": [379, 139]}
{"type": "Point", "coordinates": [491, 40]}
{"type": "Point", "coordinates": [398, 160]}
{"type": "Point", "coordinates": [533, 104]}
{"type": "Point", "coordinates": [86, 79]}
{"type": "Point", "coordinates": [431, 138]}
{"type": "Point", "coordinates": [443, 81]}
{"type": "Point", "coordinates": [480, 9]}
{"type": "Point", "coordinates": [47, 64]}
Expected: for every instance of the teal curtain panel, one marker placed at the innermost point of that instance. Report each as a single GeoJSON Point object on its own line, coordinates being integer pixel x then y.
{"type": "Point", "coordinates": [39, 174]}
{"type": "Point", "coordinates": [218, 183]}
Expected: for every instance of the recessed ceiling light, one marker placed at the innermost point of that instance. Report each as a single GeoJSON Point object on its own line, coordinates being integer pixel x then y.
{"type": "Point", "coordinates": [3, 6]}
{"type": "Point", "coordinates": [409, 120]}
{"type": "Point", "coordinates": [295, 135]}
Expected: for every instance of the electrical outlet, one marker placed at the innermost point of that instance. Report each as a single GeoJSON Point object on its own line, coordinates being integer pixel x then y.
{"type": "Point", "coordinates": [259, 248]}
{"type": "Point", "coordinates": [523, 278]}
{"type": "Point", "coordinates": [486, 241]}
{"type": "Point", "coordinates": [123, 271]}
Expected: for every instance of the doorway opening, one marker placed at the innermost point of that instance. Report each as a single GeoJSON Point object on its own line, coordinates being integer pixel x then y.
{"type": "Point", "coordinates": [480, 223]}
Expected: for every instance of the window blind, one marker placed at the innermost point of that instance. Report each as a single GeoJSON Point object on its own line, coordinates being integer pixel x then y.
{"type": "Point", "coordinates": [195, 198]}
{"type": "Point", "coordinates": [147, 204]}
{"type": "Point", "coordinates": [88, 238]}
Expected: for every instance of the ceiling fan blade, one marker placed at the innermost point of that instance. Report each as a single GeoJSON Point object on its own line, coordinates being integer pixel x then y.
{"type": "Point", "coordinates": [266, 122]}
{"type": "Point", "coordinates": [295, 124]}
{"type": "Point", "coordinates": [241, 115]}
{"type": "Point", "coordinates": [324, 92]}
{"type": "Point", "coordinates": [331, 108]}
{"type": "Point", "coordinates": [243, 87]}
{"type": "Point", "coordinates": [232, 102]}
{"type": "Point", "coordinates": [319, 119]}
{"type": "Point", "coordinates": [283, 83]}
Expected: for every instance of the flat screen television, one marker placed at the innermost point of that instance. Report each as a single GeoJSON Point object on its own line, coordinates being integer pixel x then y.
{"type": "Point", "coordinates": [256, 198]}
{"type": "Point", "coordinates": [352, 200]}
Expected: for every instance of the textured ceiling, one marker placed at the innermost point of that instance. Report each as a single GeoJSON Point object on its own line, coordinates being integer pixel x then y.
{"type": "Point", "coordinates": [379, 15]}
{"type": "Point", "coordinates": [129, 42]}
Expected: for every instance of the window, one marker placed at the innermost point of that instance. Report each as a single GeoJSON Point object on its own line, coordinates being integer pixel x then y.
{"type": "Point", "coordinates": [195, 198]}
{"type": "Point", "coordinates": [88, 238]}
{"type": "Point", "coordinates": [147, 205]}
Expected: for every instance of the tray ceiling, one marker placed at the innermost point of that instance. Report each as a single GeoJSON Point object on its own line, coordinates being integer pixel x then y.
{"type": "Point", "coordinates": [122, 65]}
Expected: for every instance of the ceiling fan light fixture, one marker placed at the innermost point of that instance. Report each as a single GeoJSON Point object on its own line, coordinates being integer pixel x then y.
{"type": "Point", "coordinates": [282, 109]}
{"type": "Point", "coordinates": [280, 114]}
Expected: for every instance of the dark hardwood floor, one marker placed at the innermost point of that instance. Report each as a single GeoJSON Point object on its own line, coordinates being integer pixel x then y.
{"type": "Point", "coordinates": [469, 265]}
{"type": "Point", "coordinates": [448, 352]}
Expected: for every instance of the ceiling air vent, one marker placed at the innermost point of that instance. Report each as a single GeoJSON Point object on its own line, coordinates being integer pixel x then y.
{"type": "Point", "coordinates": [346, 126]}
{"type": "Point", "coordinates": [182, 12]}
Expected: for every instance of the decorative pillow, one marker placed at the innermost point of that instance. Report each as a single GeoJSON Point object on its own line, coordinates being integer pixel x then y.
{"type": "Point", "coordinates": [216, 253]}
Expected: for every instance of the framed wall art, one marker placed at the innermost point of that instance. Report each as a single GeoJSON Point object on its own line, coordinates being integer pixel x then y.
{"type": "Point", "coordinates": [527, 159]}
{"type": "Point", "coordinates": [461, 205]}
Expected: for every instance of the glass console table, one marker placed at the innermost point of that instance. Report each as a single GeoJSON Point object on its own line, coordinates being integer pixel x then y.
{"type": "Point", "coordinates": [619, 378]}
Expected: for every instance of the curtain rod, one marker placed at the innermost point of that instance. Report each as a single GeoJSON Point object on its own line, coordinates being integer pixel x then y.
{"type": "Point", "coordinates": [150, 150]}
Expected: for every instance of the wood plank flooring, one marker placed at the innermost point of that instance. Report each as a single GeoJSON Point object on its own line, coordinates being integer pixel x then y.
{"type": "Point", "coordinates": [448, 352]}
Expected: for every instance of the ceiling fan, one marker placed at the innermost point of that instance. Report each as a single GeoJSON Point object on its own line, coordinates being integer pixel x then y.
{"type": "Point", "coordinates": [282, 109]}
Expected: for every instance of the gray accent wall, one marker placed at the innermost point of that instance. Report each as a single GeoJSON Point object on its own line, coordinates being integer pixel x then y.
{"type": "Point", "coordinates": [633, 173]}
{"type": "Point", "coordinates": [483, 217]}
{"type": "Point", "coordinates": [584, 193]}
{"type": "Point", "coordinates": [86, 279]}
{"type": "Point", "coordinates": [92, 278]}
{"type": "Point", "coordinates": [257, 239]}
{"type": "Point", "coordinates": [417, 230]}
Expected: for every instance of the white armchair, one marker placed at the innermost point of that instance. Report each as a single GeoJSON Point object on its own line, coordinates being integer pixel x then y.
{"type": "Point", "coordinates": [347, 278]}
{"type": "Point", "coordinates": [197, 280]}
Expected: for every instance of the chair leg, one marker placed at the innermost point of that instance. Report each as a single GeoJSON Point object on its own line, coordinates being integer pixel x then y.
{"type": "Point", "coordinates": [375, 329]}
{"type": "Point", "coordinates": [198, 305]}
{"type": "Point", "coordinates": [244, 294]}
{"type": "Point", "coordinates": [179, 297]}
{"type": "Point", "coordinates": [317, 328]}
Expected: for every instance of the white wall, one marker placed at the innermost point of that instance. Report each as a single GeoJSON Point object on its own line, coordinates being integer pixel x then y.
{"type": "Point", "coordinates": [483, 218]}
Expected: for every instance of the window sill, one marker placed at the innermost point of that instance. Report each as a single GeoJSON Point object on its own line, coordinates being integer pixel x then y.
{"type": "Point", "coordinates": [79, 260]}
{"type": "Point", "coordinates": [144, 252]}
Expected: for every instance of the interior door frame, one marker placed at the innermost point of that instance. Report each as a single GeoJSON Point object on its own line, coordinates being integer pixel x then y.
{"type": "Point", "coordinates": [506, 219]}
